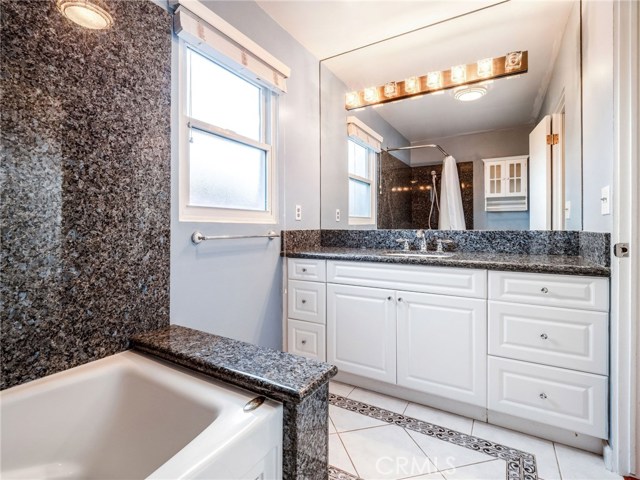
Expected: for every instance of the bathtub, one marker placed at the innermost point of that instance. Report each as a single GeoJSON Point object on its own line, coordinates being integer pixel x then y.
{"type": "Point", "coordinates": [129, 416]}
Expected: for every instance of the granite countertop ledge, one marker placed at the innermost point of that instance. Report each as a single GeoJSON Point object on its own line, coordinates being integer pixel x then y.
{"type": "Point", "coordinates": [272, 373]}
{"type": "Point", "coordinates": [559, 264]}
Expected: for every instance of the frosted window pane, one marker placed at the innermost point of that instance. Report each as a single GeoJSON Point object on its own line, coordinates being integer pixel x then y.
{"type": "Point", "coordinates": [358, 160]}
{"type": "Point", "coordinates": [359, 199]}
{"type": "Point", "coordinates": [223, 99]}
{"type": "Point", "coordinates": [226, 174]}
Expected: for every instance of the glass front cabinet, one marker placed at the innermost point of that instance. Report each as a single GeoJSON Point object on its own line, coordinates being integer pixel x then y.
{"type": "Point", "coordinates": [505, 184]}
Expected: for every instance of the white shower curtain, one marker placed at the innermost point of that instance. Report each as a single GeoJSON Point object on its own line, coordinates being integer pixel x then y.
{"type": "Point", "coordinates": [451, 213]}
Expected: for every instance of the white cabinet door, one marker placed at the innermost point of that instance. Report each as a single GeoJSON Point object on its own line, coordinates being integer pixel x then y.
{"type": "Point", "coordinates": [361, 331]}
{"type": "Point", "coordinates": [516, 177]}
{"type": "Point", "coordinates": [443, 346]}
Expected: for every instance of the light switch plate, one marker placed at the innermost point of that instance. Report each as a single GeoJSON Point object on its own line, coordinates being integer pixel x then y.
{"type": "Point", "coordinates": [298, 212]}
{"type": "Point", "coordinates": [605, 200]}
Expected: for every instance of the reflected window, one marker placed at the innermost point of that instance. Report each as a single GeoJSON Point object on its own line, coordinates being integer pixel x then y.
{"type": "Point", "coordinates": [361, 184]}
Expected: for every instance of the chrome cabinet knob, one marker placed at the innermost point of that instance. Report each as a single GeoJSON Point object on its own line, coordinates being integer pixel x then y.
{"type": "Point", "coordinates": [400, 299]}
{"type": "Point", "coordinates": [304, 301]}
{"type": "Point", "coordinates": [543, 396]}
{"type": "Point", "coordinates": [304, 270]}
{"type": "Point", "coordinates": [544, 290]}
{"type": "Point", "coordinates": [303, 342]}
{"type": "Point", "coordinates": [544, 336]}
{"type": "Point", "coordinates": [389, 298]}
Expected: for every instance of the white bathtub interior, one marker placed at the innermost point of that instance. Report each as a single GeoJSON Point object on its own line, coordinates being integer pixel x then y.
{"type": "Point", "coordinates": [129, 416]}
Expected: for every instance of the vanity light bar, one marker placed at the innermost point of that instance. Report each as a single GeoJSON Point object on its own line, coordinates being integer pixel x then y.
{"type": "Point", "coordinates": [513, 63]}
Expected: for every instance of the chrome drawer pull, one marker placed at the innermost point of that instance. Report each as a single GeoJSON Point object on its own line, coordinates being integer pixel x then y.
{"type": "Point", "coordinates": [543, 396]}
{"type": "Point", "coordinates": [544, 336]}
{"type": "Point", "coordinates": [544, 290]}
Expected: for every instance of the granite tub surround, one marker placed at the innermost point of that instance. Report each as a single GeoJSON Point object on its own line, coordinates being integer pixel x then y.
{"type": "Point", "coordinates": [85, 174]}
{"type": "Point", "coordinates": [300, 383]}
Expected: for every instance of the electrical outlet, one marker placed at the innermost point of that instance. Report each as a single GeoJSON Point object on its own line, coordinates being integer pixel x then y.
{"type": "Point", "coordinates": [337, 214]}
{"type": "Point", "coordinates": [605, 200]}
{"type": "Point", "coordinates": [567, 210]}
{"type": "Point", "coordinates": [298, 212]}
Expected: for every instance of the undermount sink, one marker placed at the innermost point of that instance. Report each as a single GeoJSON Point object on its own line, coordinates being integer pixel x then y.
{"type": "Point", "coordinates": [420, 254]}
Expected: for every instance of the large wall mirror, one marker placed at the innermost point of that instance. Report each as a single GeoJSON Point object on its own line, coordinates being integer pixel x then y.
{"type": "Point", "coordinates": [523, 129]}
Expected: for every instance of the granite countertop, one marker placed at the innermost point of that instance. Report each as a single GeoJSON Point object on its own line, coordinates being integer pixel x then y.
{"type": "Point", "coordinates": [561, 264]}
{"type": "Point", "coordinates": [272, 373]}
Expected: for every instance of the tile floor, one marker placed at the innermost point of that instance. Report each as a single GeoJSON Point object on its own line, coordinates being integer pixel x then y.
{"type": "Point", "coordinates": [371, 446]}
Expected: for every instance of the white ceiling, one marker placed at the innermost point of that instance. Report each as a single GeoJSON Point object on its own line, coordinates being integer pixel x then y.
{"type": "Point", "coordinates": [332, 27]}
{"type": "Point", "coordinates": [329, 27]}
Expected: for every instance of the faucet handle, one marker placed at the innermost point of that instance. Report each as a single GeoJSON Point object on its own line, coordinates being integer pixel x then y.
{"type": "Point", "coordinates": [442, 241]}
{"type": "Point", "coordinates": [405, 241]}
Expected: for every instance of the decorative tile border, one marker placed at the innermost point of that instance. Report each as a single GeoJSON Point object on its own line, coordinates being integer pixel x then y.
{"type": "Point", "coordinates": [520, 465]}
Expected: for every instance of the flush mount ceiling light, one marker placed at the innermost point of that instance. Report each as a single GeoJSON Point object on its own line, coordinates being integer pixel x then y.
{"type": "Point", "coordinates": [86, 13]}
{"type": "Point", "coordinates": [476, 74]}
{"type": "Point", "coordinates": [469, 94]}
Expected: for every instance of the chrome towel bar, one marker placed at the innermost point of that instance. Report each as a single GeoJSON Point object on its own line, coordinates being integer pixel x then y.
{"type": "Point", "coordinates": [198, 237]}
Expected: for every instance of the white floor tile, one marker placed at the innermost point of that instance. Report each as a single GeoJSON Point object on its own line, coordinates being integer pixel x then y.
{"type": "Point", "coordinates": [331, 427]}
{"type": "Point", "coordinates": [346, 420]}
{"type": "Point", "coordinates": [341, 389]}
{"type": "Point", "coordinates": [385, 453]}
{"type": "Point", "coordinates": [580, 465]}
{"type": "Point", "coordinates": [494, 470]}
{"type": "Point", "coordinates": [445, 455]}
{"type": "Point", "coordinates": [338, 456]}
{"type": "Point", "coordinates": [378, 400]}
{"type": "Point", "coordinates": [439, 417]}
{"type": "Point", "coordinates": [542, 449]}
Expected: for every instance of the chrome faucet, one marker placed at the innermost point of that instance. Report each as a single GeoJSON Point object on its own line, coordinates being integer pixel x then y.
{"type": "Point", "coordinates": [440, 242]}
{"type": "Point", "coordinates": [423, 241]}
{"type": "Point", "coordinates": [405, 243]}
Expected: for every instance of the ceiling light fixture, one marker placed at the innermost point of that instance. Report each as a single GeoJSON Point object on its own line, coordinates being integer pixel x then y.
{"type": "Point", "coordinates": [479, 73]}
{"type": "Point", "coordinates": [470, 93]}
{"type": "Point", "coordinates": [86, 13]}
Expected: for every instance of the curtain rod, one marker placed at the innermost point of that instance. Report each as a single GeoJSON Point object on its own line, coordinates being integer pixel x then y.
{"type": "Point", "coordinates": [419, 146]}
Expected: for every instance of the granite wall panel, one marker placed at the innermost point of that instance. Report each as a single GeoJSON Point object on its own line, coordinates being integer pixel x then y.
{"type": "Point", "coordinates": [85, 184]}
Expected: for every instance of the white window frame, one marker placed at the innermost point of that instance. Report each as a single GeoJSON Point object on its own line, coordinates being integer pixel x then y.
{"type": "Point", "coordinates": [371, 180]}
{"type": "Point", "coordinates": [191, 213]}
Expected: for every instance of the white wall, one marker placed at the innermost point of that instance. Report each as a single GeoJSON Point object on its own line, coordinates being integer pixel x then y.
{"type": "Point", "coordinates": [233, 287]}
{"type": "Point", "coordinates": [597, 114]}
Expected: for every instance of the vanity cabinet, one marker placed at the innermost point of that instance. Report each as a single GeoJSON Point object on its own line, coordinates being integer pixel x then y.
{"type": "Point", "coordinates": [306, 308]}
{"type": "Point", "coordinates": [505, 184]}
{"type": "Point", "coordinates": [548, 349]}
{"type": "Point", "coordinates": [429, 342]}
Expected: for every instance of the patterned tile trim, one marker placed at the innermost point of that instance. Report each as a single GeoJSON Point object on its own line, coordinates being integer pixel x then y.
{"type": "Point", "coordinates": [337, 474]}
{"type": "Point", "coordinates": [520, 465]}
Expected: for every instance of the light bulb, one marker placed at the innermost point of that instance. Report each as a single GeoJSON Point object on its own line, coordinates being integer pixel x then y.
{"type": "Point", "coordinates": [434, 80]}
{"type": "Point", "coordinates": [371, 94]}
{"type": "Point", "coordinates": [352, 99]}
{"type": "Point", "coordinates": [85, 13]}
{"type": "Point", "coordinates": [485, 67]}
{"type": "Point", "coordinates": [412, 85]}
{"type": "Point", "coordinates": [390, 89]}
{"type": "Point", "coordinates": [458, 73]}
{"type": "Point", "coordinates": [513, 61]}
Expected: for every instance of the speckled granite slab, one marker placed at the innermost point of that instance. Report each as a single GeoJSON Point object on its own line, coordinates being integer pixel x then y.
{"type": "Point", "coordinates": [279, 375]}
{"type": "Point", "coordinates": [560, 264]}
{"type": "Point", "coordinates": [300, 383]}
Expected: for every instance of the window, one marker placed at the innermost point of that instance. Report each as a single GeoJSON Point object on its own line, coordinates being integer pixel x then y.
{"type": "Point", "coordinates": [228, 88]}
{"type": "Point", "coordinates": [227, 165]}
{"type": "Point", "coordinates": [363, 144]}
{"type": "Point", "coordinates": [361, 184]}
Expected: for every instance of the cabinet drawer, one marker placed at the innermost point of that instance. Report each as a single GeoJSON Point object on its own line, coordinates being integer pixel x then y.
{"type": "Point", "coordinates": [461, 282]}
{"type": "Point", "coordinates": [306, 339]}
{"type": "Point", "coordinates": [566, 399]}
{"type": "Point", "coordinates": [307, 269]}
{"type": "Point", "coordinates": [576, 339]}
{"type": "Point", "coordinates": [571, 291]}
{"type": "Point", "coordinates": [307, 301]}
